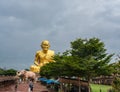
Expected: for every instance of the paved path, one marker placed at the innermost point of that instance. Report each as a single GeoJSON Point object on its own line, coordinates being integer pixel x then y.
{"type": "Point", "coordinates": [23, 87]}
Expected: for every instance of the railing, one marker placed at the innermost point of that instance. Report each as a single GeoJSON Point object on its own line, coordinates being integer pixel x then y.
{"type": "Point", "coordinates": [6, 81]}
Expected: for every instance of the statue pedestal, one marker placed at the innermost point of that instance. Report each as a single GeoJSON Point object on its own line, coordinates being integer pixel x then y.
{"type": "Point", "coordinates": [35, 68]}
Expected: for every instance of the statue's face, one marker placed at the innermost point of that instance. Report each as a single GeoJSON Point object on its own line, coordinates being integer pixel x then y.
{"type": "Point", "coordinates": [45, 45]}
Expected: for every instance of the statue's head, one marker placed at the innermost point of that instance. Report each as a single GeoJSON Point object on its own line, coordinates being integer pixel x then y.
{"type": "Point", "coordinates": [45, 45]}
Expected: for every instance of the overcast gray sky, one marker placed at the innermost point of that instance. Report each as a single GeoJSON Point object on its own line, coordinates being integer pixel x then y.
{"type": "Point", "coordinates": [25, 23]}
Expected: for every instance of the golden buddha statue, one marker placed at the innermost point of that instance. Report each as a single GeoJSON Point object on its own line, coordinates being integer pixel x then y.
{"type": "Point", "coordinates": [42, 57]}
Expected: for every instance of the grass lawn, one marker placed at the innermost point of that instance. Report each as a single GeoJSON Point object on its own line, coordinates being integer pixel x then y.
{"type": "Point", "coordinates": [97, 87]}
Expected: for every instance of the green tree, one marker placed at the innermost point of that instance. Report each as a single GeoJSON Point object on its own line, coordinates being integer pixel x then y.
{"type": "Point", "coordinates": [116, 84]}
{"type": "Point", "coordinates": [116, 72]}
{"type": "Point", "coordinates": [1, 71]}
{"type": "Point", "coordinates": [10, 72]}
{"type": "Point", "coordinates": [92, 57]}
{"type": "Point", "coordinates": [86, 58]}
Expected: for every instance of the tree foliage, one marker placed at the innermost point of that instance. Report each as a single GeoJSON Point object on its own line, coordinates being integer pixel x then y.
{"type": "Point", "coordinates": [116, 84]}
{"type": "Point", "coordinates": [86, 58]}
{"type": "Point", "coordinates": [92, 56]}
{"type": "Point", "coordinates": [8, 72]}
{"type": "Point", "coordinates": [1, 71]}
{"type": "Point", "coordinates": [116, 72]}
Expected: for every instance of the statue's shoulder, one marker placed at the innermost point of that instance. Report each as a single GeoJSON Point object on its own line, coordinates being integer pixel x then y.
{"type": "Point", "coordinates": [51, 52]}
{"type": "Point", "coordinates": [39, 51]}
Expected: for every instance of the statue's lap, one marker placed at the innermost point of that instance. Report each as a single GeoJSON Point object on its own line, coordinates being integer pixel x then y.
{"type": "Point", "coordinates": [35, 68]}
